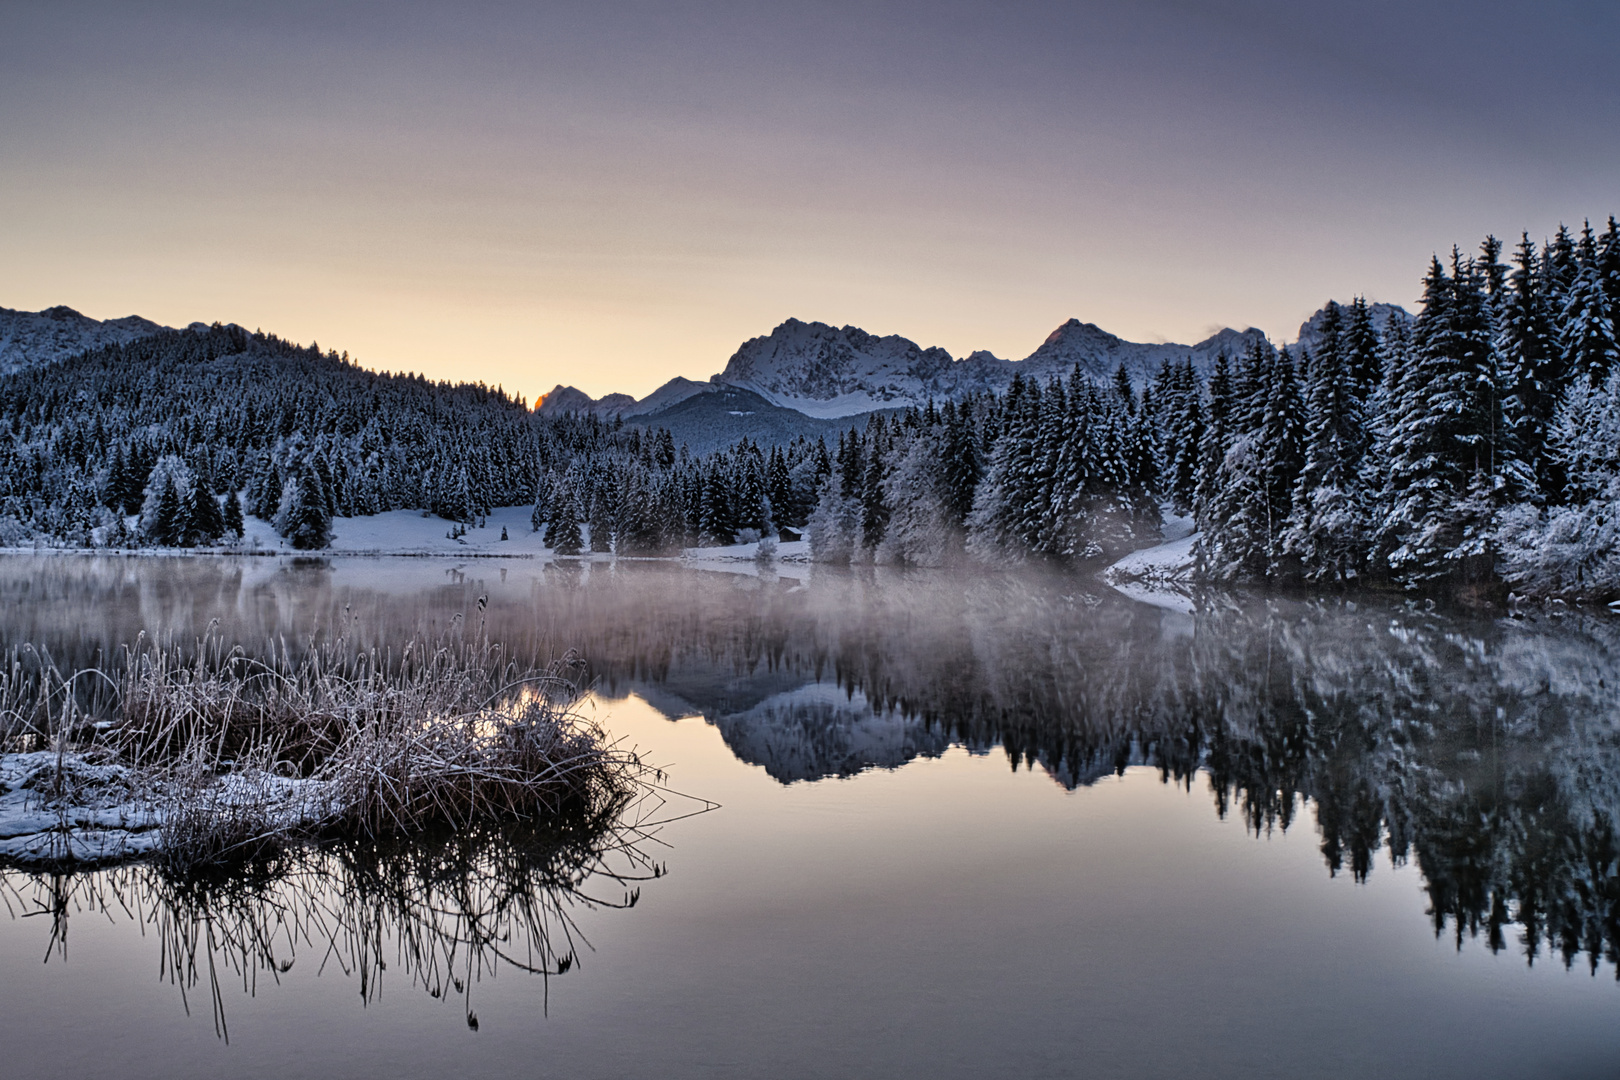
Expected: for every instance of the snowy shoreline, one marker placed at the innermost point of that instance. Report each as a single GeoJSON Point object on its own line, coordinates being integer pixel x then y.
{"type": "Point", "coordinates": [413, 534]}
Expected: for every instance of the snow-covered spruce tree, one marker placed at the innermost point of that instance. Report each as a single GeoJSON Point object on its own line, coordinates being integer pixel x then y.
{"type": "Point", "coordinates": [160, 510]}
{"type": "Point", "coordinates": [542, 502]}
{"type": "Point", "coordinates": [231, 515]}
{"type": "Point", "coordinates": [922, 529]}
{"type": "Point", "coordinates": [1246, 521]}
{"type": "Point", "coordinates": [601, 515]}
{"type": "Point", "coordinates": [264, 493]}
{"type": "Point", "coordinates": [1181, 435]}
{"type": "Point", "coordinates": [1449, 461]}
{"type": "Point", "coordinates": [1533, 367]}
{"type": "Point", "coordinates": [1588, 334]}
{"type": "Point", "coordinates": [1359, 349]}
{"type": "Point", "coordinates": [999, 524]}
{"type": "Point", "coordinates": [304, 518]}
{"type": "Point", "coordinates": [960, 460]}
{"type": "Point", "coordinates": [752, 502]}
{"type": "Point", "coordinates": [1329, 527]}
{"type": "Point", "coordinates": [717, 516]}
{"type": "Point", "coordinates": [562, 530]}
{"type": "Point", "coordinates": [779, 490]}
{"type": "Point", "coordinates": [1216, 441]}
{"type": "Point", "coordinates": [1572, 548]}
{"type": "Point", "coordinates": [1120, 502]}
{"type": "Point", "coordinates": [835, 524]}
{"type": "Point", "coordinates": [875, 507]}
{"type": "Point", "coordinates": [126, 483]}
{"type": "Point", "coordinates": [199, 520]}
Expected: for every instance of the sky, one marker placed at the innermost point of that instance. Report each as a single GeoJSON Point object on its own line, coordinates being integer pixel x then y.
{"type": "Point", "coordinates": [607, 195]}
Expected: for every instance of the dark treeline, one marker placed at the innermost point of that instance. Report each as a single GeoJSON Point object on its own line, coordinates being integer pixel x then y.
{"type": "Point", "coordinates": [171, 440]}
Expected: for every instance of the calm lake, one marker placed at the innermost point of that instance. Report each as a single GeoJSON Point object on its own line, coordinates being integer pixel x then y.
{"type": "Point", "coordinates": [962, 824]}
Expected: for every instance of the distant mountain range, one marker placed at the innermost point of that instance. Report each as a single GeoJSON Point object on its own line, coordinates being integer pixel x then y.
{"type": "Point", "coordinates": [833, 373]}
{"type": "Point", "coordinates": [803, 378]}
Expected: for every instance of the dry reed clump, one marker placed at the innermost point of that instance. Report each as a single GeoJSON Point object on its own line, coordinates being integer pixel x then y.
{"type": "Point", "coordinates": [243, 754]}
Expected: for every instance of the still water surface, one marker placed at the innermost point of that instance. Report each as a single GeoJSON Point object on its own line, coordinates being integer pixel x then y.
{"type": "Point", "coordinates": [967, 826]}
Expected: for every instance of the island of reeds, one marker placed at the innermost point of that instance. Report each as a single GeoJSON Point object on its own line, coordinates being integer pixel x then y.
{"type": "Point", "coordinates": [210, 755]}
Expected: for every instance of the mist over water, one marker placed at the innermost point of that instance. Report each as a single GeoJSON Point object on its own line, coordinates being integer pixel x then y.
{"type": "Point", "coordinates": [968, 825]}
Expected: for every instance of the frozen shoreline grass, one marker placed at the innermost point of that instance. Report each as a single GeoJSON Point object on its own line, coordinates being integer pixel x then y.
{"type": "Point", "coordinates": [213, 756]}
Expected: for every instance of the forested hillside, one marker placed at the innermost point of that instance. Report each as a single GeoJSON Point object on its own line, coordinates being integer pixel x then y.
{"type": "Point", "coordinates": [1475, 444]}
{"type": "Point", "coordinates": [170, 439]}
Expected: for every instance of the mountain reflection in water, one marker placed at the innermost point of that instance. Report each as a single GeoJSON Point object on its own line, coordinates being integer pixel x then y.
{"type": "Point", "coordinates": [1485, 750]}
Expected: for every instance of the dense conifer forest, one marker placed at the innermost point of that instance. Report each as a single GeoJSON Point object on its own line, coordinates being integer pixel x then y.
{"type": "Point", "coordinates": [1475, 444]}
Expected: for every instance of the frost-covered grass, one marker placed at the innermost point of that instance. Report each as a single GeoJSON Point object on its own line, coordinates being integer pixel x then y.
{"type": "Point", "coordinates": [215, 756]}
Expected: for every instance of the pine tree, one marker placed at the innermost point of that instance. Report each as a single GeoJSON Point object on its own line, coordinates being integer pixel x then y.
{"type": "Point", "coordinates": [1588, 337]}
{"type": "Point", "coordinates": [542, 502]}
{"type": "Point", "coordinates": [231, 514]}
{"type": "Point", "coordinates": [562, 530]}
{"type": "Point", "coordinates": [306, 518]}
{"type": "Point", "coordinates": [716, 522]}
{"type": "Point", "coordinates": [1182, 438]}
{"type": "Point", "coordinates": [1124, 390]}
{"type": "Point", "coordinates": [190, 521]}
{"type": "Point", "coordinates": [1282, 453]}
{"type": "Point", "coordinates": [960, 461]}
{"type": "Point", "coordinates": [1532, 365]}
{"type": "Point", "coordinates": [1359, 349]}
{"type": "Point", "coordinates": [1328, 525]}
{"type": "Point", "coordinates": [1445, 444]}
{"type": "Point", "coordinates": [164, 527]}
{"type": "Point", "coordinates": [1216, 441]}
{"type": "Point", "coordinates": [874, 506]}
{"type": "Point", "coordinates": [779, 489]}
{"type": "Point", "coordinates": [600, 518]}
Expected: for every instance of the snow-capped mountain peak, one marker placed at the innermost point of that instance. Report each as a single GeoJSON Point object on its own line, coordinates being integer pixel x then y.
{"type": "Point", "coordinates": [826, 371]}
{"type": "Point", "coordinates": [35, 338]}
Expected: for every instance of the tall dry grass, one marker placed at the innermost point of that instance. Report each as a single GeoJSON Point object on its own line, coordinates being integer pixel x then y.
{"type": "Point", "coordinates": [241, 754]}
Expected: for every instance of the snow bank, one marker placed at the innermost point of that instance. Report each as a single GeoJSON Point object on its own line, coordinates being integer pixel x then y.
{"type": "Point", "coordinates": [1160, 575]}
{"type": "Point", "coordinates": [790, 559]}
{"type": "Point", "coordinates": [96, 819]}
{"type": "Point", "coordinates": [409, 532]}
{"type": "Point", "coordinates": [100, 817]}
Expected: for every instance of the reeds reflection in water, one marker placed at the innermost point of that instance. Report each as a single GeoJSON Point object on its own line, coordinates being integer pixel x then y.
{"type": "Point", "coordinates": [439, 913]}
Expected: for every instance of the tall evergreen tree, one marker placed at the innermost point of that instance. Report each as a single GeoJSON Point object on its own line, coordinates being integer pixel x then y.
{"type": "Point", "coordinates": [1588, 337]}
{"type": "Point", "coordinates": [1446, 447]}
{"type": "Point", "coordinates": [562, 529]}
{"type": "Point", "coordinates": [1532, 365]}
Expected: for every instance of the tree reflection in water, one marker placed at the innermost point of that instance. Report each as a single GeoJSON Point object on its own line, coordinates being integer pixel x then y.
{"type": "Point", "coordinates": [1484, 749]}
{"type": "Point", "coordinates": [441, 912]}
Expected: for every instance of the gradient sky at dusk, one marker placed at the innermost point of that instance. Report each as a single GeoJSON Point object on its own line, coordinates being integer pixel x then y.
{"type": "Point", "coordinates": [612, 194]}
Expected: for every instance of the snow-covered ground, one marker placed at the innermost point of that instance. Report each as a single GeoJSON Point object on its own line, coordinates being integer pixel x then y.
{"type": "Point", "coordinates": [1160, 575]}
{"type": "Point", "coordinates": [784, 560]}
{"type": "Point", "coordinates": [408, 532]}
{"type": "Point", "coordinates": [99, 817]}
{"type": "Point", "coordinates": [96, 821]}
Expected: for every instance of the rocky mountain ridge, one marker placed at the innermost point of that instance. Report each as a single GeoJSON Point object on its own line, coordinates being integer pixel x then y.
{"type": "Point", "coordinates": [35, 338]}
{"type": "Point", "coordinates": [829, 372]}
